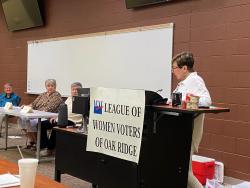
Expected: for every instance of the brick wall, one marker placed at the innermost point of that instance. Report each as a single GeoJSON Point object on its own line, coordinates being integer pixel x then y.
{"type": "Point", "coordinates": [216, 31]}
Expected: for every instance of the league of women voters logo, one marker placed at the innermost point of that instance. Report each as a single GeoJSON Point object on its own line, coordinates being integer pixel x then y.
{"type": "Point", "coordinates": [98, 107]}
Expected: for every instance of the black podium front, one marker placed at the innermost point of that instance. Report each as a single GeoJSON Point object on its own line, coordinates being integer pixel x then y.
{"type": "Point", "coordinates": [164, 155]}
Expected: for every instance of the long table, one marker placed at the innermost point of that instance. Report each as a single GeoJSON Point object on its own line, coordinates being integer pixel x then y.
{"type": "Point", "coordinates": [36, 114]}
{"type": "Point", "coordinates": [41, 181]}
{"type": "Point", "coordinates": [164, 155]}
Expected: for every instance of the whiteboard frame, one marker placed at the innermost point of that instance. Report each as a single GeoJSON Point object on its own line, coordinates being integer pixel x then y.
{"type": "Point", "coordinates": [107, 33]}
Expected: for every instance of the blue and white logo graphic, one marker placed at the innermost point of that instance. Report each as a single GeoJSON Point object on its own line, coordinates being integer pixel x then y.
{"type": "Point", "coordinates": [98, 107]}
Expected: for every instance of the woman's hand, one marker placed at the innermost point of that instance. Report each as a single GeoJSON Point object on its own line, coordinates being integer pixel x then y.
{"type": "Point", "coordinates": [25, 105]}
{"type": "Point", "coordinates": [52, 120]}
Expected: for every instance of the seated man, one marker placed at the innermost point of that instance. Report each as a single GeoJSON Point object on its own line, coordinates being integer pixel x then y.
{"type": "Point", "coordinates": [49, 143]}
{"type": "Point", "coordinates": [8, 96]}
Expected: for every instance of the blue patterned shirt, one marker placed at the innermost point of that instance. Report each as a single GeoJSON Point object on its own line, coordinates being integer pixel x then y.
{"type": "Point", "coordinates": [13, 98]}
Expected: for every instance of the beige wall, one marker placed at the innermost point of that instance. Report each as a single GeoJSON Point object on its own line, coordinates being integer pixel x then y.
{"type": "Point", "coordinates": [216, 31]}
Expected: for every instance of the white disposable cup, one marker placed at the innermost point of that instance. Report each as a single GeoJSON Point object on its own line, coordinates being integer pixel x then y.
{"type": "Point", "coordinates": [27, 172]}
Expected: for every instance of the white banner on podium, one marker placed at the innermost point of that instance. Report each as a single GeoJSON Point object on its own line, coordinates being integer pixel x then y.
{"type": "Point", "coordinates": [116, 122]}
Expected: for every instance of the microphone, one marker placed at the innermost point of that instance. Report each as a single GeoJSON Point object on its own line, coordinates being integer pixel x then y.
{"type": "Point", "coordinates": [159, 90]}
{"type": "Point", "coordinates": [62, 115]}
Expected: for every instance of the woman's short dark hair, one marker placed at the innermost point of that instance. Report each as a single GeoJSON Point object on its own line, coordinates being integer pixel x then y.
{"type": "Point", "coordinates": [184, 58]}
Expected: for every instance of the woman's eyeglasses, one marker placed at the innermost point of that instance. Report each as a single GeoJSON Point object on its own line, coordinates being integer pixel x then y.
{"type": "Point", "coordinates": [174, 68]}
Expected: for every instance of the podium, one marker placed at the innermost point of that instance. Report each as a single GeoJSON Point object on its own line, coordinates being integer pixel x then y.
{"type": "Point", "coordinates": [164, 155]}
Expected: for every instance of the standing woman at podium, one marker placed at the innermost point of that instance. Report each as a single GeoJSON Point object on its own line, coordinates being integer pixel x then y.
{"type": "Point", "coordinates": [191, 83]}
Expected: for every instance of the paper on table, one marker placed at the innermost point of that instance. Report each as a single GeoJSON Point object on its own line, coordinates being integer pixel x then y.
{"type": "Point", "coordinates": [244, 184]}
{"type": "Point", "coordinates": [26, 109]}
{"type": "Point", "coordinates": [14, 137]}
{"type": "Point", "coordinates": [9, 185]}
{"type": "Point", "coordinates": [8, 180]}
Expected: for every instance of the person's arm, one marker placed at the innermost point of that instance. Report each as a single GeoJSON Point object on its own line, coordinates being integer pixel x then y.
{"type": "Point", "coordinates": [205, 101]}
{"type": "Point", "coordinates": [53, 120]}
{"type": "Point", "coordinates": [33, 104]}
{"type": "Point", "coordinates": [203, 93]}
{"type": "Point", "coordinates": [16, 100]}
{"type": "Point", "coordinates": [1, 100]}
{"type": "Point", "coordinates": [199, 89]}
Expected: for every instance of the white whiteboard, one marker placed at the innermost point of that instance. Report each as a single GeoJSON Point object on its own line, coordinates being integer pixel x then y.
{"type": "Point", "coordinates": [139, 58]}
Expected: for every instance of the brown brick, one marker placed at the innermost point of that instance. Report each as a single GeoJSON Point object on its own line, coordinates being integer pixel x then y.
{"type": "Point", "coordinates": [182, 35]}
{"type": "Point", "coordinates": [236, 162]}
{"type": "Point", "coordinates": [238, 13]}
{"type": "Point", "coordinates": [220, 79]}
{"type": "Point", "coordinates": [244, 112]}
{"type": "Point", "coordinates": [180, 21]}
{"type": "Point", "coordinates": [207, 63]}
{"type": "Point", "coordinates": [232, 115]}
{"type": "Point", "coordinates": [243, 147]}
{"type": "Point", "coordinates": [208, 18]}
{"type": "Point", "coordinates": [231, 3]}
{"type": "Point", "coordinates": [209, 48]}
{"type": "Point", "coordinates": [205, 142]}
{"type": "Point", "coordinates": [237, 174]}
{"type": "Point", "coordinates": [236, 129]}
{"type": "Point", "coordinates": [215, 154]}
{"type": "Point", "coordinates": [238, 95]}
{"type": "Point", "coordinates": [238, 63]}
{"type": "Point", "coordinates": [223, 143]}
{"type": "Point", "coordinates": [238, 46]}
{"type": "Point", "coordinates": [206, 5]}
{"type": "Point", "coordinates": [12, 67]}
{"type": "Point", "coordinates": [213, 126]}
{"type": "Point", "coordinates": [244, 79]}
{"type": "Point", "coordinates": [218, 94]}
{"type": "Point", "coordinates": [239, 30]}
{"type": "Point", "coordinates": [208, 33]}
{"type": "Point", "coordinates": [180, 47]}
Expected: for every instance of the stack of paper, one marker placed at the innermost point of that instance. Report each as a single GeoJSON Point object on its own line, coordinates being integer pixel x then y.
{"type": "Point", "coordinates": [244, 184]}
{"type": "Point", "coordinates": [9, 180]}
